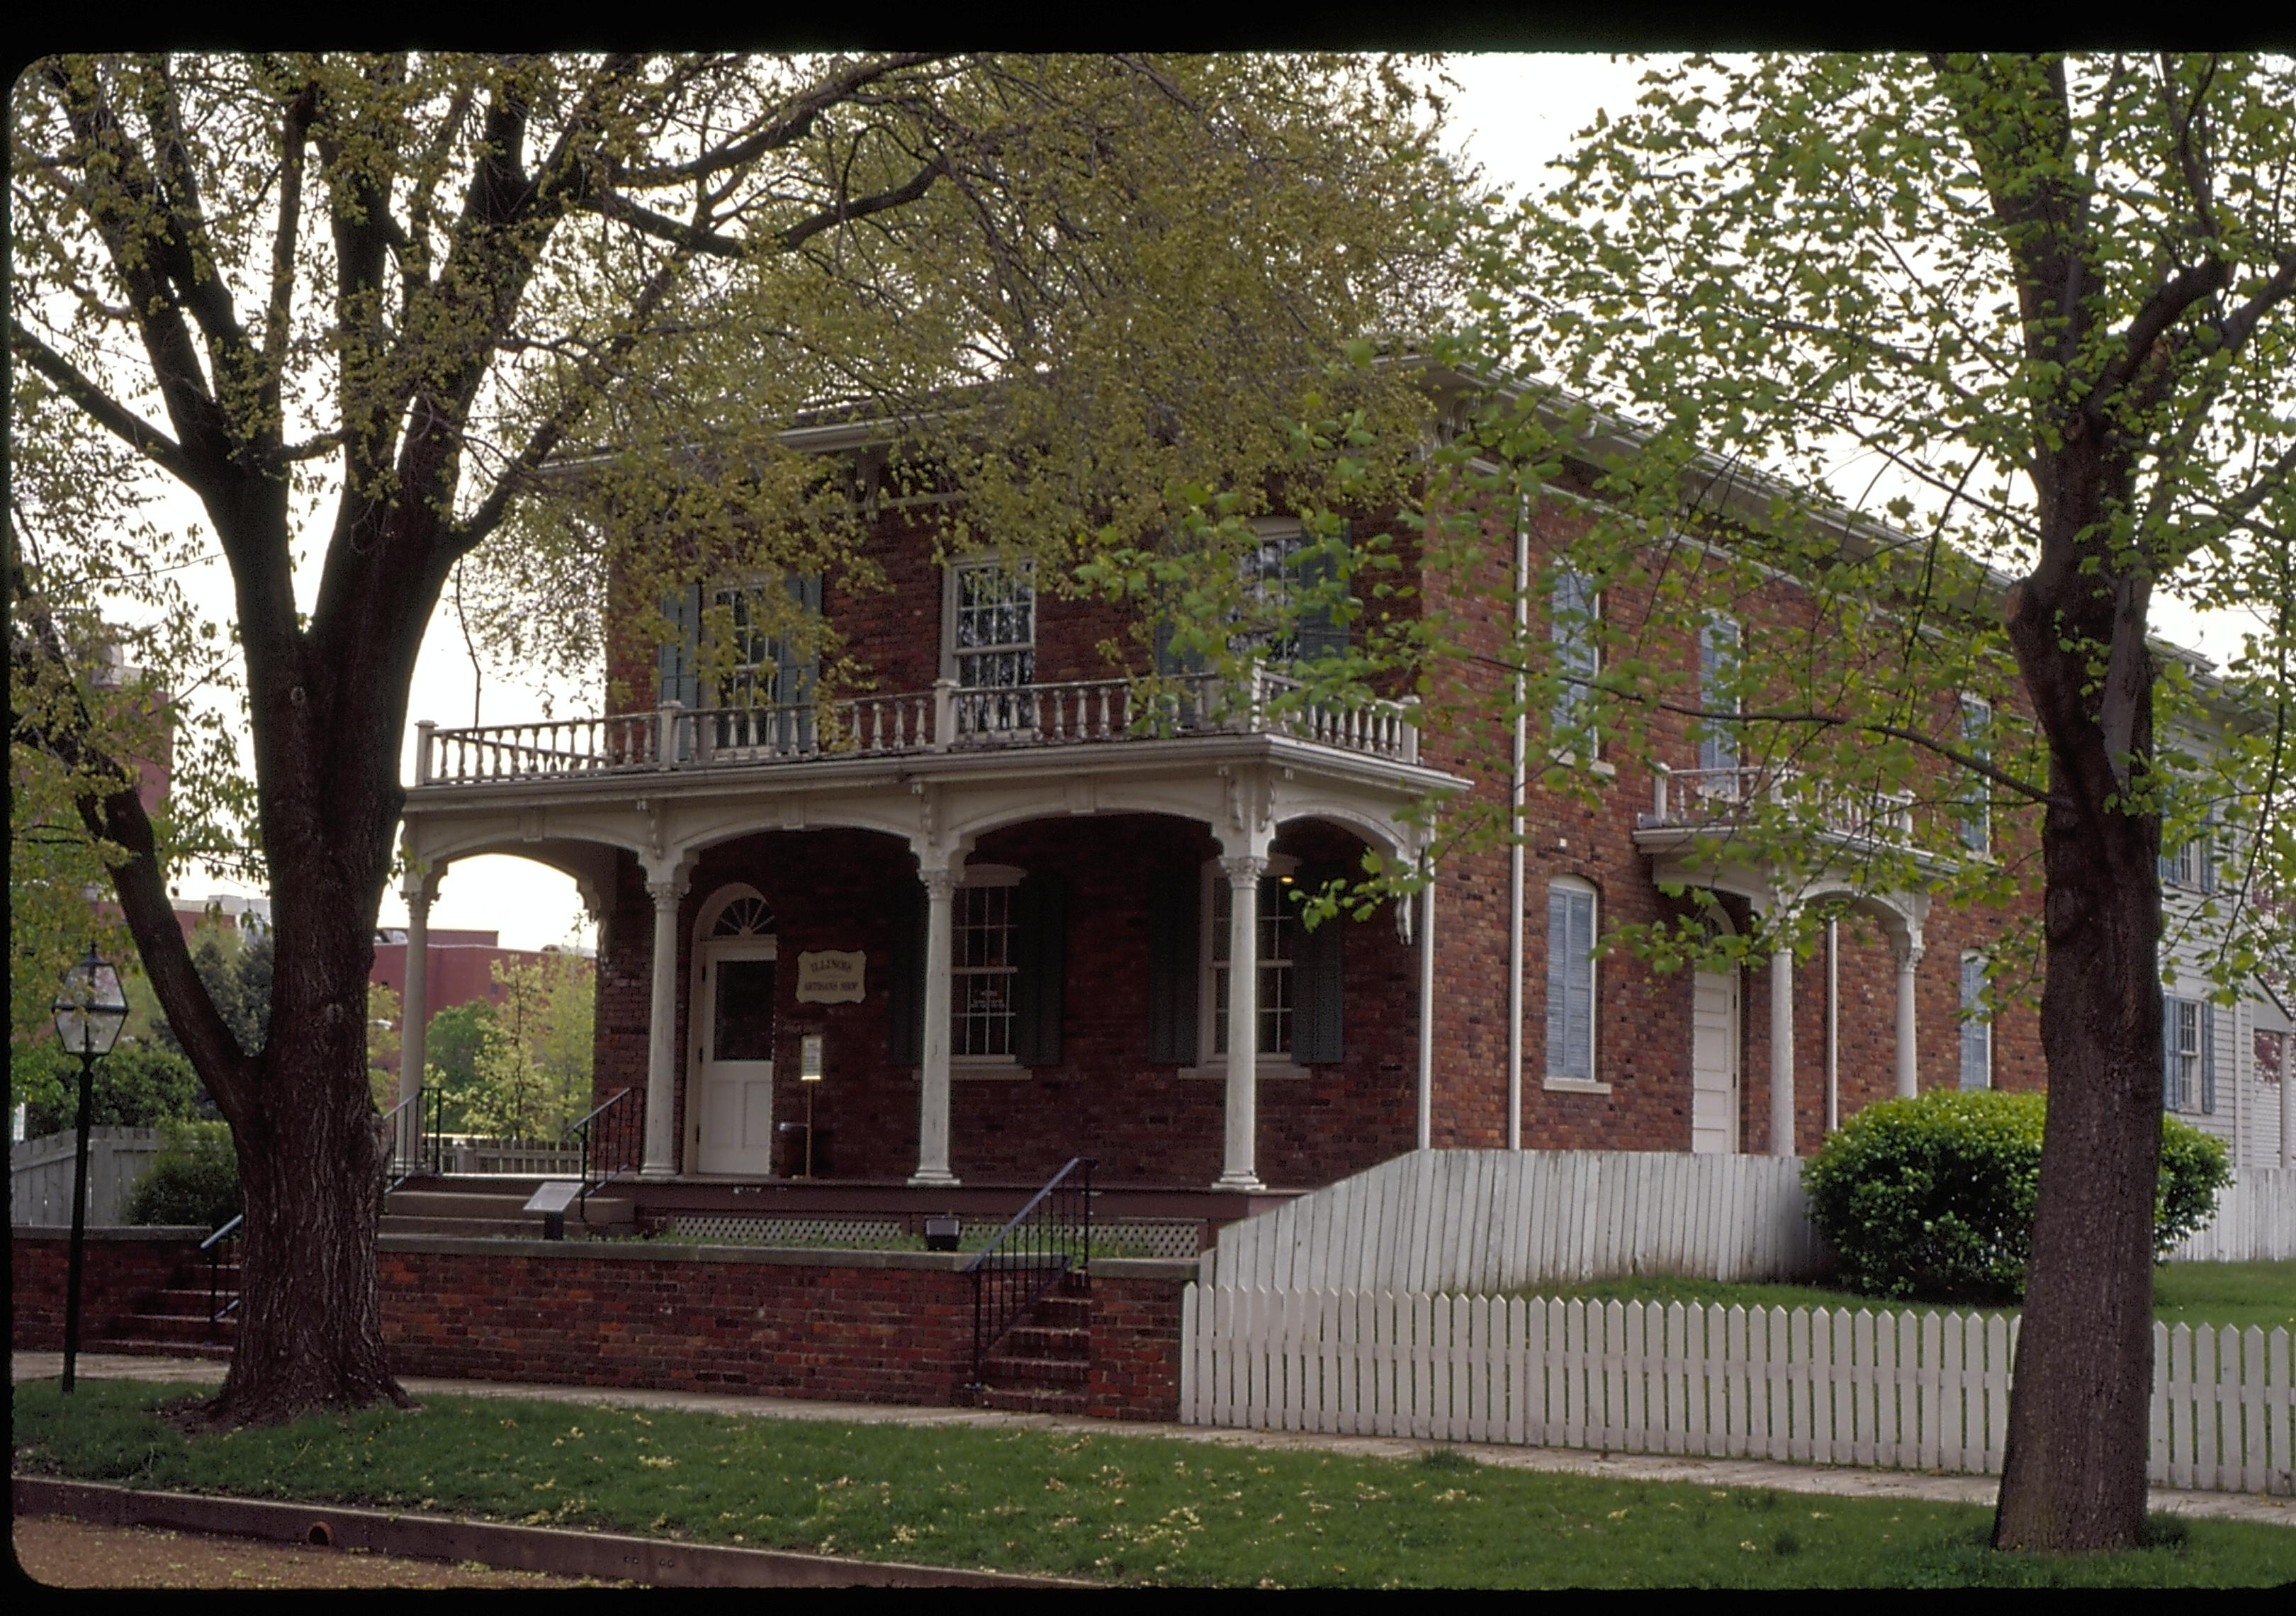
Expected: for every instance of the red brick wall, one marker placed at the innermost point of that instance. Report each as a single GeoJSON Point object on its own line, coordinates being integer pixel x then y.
{"type": "Point", "coordinates": [116, 1272]}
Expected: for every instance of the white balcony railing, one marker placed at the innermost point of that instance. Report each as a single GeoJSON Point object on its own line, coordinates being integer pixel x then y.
{"type": "Point", "coordinates": [945, 719]}
{"type": "Point", "coordinates": [1711, 798]}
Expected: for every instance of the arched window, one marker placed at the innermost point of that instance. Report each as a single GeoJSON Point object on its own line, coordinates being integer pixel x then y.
{"type": "Point", "coordinates": [735, 910]}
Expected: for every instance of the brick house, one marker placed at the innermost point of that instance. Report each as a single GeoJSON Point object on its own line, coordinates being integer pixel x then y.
{"type": "Point", "coordinates": [1006, 915]}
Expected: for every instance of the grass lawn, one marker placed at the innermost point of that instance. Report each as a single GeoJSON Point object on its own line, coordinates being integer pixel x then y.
{"type": "Point", "coordinates": [2196, 1293]}
{"type": "Point", "coordinates": [1113, 1507]}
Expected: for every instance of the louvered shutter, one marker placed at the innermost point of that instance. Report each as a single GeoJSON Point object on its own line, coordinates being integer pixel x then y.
{"type": "Point", "coordinates": [905, 977]}
{"type": "Point", "coordinates": [1717, 659]}
{"type": "Point", "coordinates": [1174, 898]}
{"type": "Point", "coordinates": [1570, 983]}
{"type": "Point", "coordinates": [677, 662]}
{"type": "Point", "coordinates": [1317, 976]}
{"type": "Point", "coordinates": [1571, 622]}
{"type": "Point", "coordinates": [1976, 1035]}
{"type": "Point", "coordinates": [795, 678]}
{"type": "Point", "coordinates": [2208, 1058]}
{"type": "Point", "coordinates": [2168, 1051]}
{"type": "Point", "coordinates": [1318, 631]}
{"type": "Point", "coordinates": [1039, 982]}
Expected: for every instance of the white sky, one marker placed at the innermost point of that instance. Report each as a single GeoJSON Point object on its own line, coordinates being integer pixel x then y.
{"type": "Point", "coordinates": [1515, 114]}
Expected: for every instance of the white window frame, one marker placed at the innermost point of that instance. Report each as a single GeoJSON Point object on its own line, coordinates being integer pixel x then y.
{"type": "Point", "coordinates": [1582, 641]}
{"type": "Point", "coordinates": [1211, 938]}
{"type": "Point", "coordinates": [953, 656]}
{"type": "Point", "coordinates": [1720, 738]}
{"type": "Point", "coordinates": [1268, 581]}
{"type": "Point", "coordinates": [1558, 1075]}
{"type": "Point", "coordinates": [1976, 828]}
{"type": "Point", "coordinates": [1976, 1029]}
{"type": "Point", "coordinates": [977, 878]}
{"type": "Point", "coordinates": [2188, 1095]}
{"type": "Point", "coordinates": [776, 649]}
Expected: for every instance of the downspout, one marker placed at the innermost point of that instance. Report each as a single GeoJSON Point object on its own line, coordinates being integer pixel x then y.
{"type": "Point", "coordinates": [1514, 826]}
{"type": "Point", "coordinates": [1833, 1025]}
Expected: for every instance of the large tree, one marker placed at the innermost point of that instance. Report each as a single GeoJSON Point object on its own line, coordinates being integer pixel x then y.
{"type": "Point", "coordinates": [1879, 324]}
{"type": "Point", "coordinates": [525, 323]}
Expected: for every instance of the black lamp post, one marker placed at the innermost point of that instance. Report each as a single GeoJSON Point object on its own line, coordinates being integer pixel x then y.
{"type": "Point", "coordinates": [89, 1010]}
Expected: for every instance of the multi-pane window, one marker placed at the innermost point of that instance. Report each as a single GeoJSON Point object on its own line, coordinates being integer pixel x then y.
{"type": "Point", "coordinates": [1570, 981]}
{"type": "Point", "coordinates": [1279, 939]}
{"type": "Point", "coordinates": [1976, 740]}
{"type": "Point", "coordinates": [755, 678]}
{"type": "Point", "coordinates": [992, 641]}
{"type": "Point", "coordinates": [2188, 1074]}
{"type": "Point", "coordinates": [1717, 674]}
{"type": "Point", "coordinates": [2190, 864]}
{"type": "Point", "coordinates": [982, 972]}
{"type": "Point", "coordinates": [1976, 1025]}
{"type": "Point", "coordinates": [1577, 660]}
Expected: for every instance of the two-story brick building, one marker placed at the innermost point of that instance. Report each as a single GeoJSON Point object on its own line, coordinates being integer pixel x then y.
{"type": "Point", "coordinates": [1020, 904]}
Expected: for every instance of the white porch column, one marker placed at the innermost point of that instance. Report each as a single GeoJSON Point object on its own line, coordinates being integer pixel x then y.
{"type": "Point", "coordinates": [1781, 1052]}
{"type": "Point", "coordinates": [1426, 1127]}
{"type": "Point", "coordinates": [1239, 1171]}
{"type": "Point", "coordinates": [932, 1096]}
{"type": "Point", "coordinates": [1908, 1049]}
{"type": "Point", "coordinates": [662, 1047]}
{"type": "Point", "coordinates": [415, 1011]}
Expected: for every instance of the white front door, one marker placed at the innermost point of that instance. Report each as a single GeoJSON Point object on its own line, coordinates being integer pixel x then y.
{"type": "Point", "coordinates": [1714, 1062]}
{"type": "Point", "coordinates": [734, 1117]}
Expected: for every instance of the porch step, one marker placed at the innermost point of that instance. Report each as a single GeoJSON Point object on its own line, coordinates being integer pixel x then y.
{"type": "Point", "coordinates": [170, 1330]}
{"type": "Point", "coordinates": [1035, 1374]}
{"type": "Point", "coordinates": [138, 1346]}
{"type": "Point", "coordinates": [1046, 1340]}
{"type": "Point", "coordinates": [496, 1213]}
{"type": "Point", "coordinates": [1017, 1400]}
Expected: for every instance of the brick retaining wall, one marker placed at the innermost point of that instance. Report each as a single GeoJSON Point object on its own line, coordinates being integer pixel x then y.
{"type": "Point", "coordinates": [850, 1326]}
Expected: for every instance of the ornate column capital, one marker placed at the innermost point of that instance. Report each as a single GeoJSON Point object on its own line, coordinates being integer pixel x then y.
{"type": "Point", "coordinates": [940, 883]}
{"type": "Point", "coordinates": [665, 893]}
{"type": "Point", "coordinates": [1244, 870]}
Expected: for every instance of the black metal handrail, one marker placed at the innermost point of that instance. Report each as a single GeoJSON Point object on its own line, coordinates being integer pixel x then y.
{"type": "Point", "coordinates": [1047, 1240]}
{"type": "Point", "coordinates": [409, 1157]}
{"type": "Point", "coordinates": [610, 1142]}
{"type": "Point", "coordinates": [226, 1235]}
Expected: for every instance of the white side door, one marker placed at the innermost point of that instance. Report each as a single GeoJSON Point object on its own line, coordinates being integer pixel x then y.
{"type": "Point", "coordinates": [1714, 1062]}
{"type": "Point", "coordinates": [735, 1068]}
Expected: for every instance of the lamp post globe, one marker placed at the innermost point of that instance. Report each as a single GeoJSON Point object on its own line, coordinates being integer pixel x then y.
{"type": "Point", "coordinates": [89, 1010]}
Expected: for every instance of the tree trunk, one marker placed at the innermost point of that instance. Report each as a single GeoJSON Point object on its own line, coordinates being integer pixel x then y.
{"type": "Point", "coordinates": [2073, 1476]}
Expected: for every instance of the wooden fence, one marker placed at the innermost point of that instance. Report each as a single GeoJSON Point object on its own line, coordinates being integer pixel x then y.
{"type": "Point", "coordinates": [40, 1174]}
{"type": "Point", "coordinates": [1497, 1220]}
{"type": "Point", "coordinates": [1887, 1389]}
{"type": "Point", "coordinates": [2255, 1221]}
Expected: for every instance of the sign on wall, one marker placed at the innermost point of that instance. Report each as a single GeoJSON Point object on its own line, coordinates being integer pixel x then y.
{"type": "Point", "coordinates": [830, 976]}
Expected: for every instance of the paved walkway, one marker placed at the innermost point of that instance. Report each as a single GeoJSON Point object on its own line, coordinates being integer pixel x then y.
{"type": "Point", "coordinates": [1833, 1480]}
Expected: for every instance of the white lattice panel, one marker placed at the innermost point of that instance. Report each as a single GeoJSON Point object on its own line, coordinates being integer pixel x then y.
{"type": "Point", "coordinates": [839, 1233]}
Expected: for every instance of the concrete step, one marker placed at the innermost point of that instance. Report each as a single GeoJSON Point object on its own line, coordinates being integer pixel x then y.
{"type": "Point", "coordinates": [141, 1347]}
{"type": "Point", "coordinates": [463, 1228]}
{"type": "Point", "coordinates": [170, 1327]}
{"type": "Point", "coordinates": [1030, 1400]}
{"type": "Point", "coordinates": [185, 1298]}
{"type": "Point", "coordinates": [1009, 1369]}
{"type": "Point", "coordinates": [1041, 1341]}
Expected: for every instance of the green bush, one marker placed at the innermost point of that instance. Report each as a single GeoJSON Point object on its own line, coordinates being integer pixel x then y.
{"type": "Point", "coordinates": [1934, 1197]}
{"type": "Point", "coordinates": [135, 1085]}
{"type": "Point", "coordinates": [194, 1180]}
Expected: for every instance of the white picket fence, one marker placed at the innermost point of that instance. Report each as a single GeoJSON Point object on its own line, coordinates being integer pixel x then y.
{"type": "Point", "coordinates": [1886, 1390]}
{"type": "Point", "coordinates": [1466, 1220]}
{"type": "Point", "coordinates": [2255, 1221]}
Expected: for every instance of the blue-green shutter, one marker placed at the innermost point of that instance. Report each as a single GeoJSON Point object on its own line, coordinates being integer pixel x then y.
{"type": "Point", "coordinates": [2208, 1058]}
{"type": "Point", "coordinates": [1317, 975]}
{"type": "Point", "coordinates": [1318, 631]}
{"type": "Point", "coordinates": [1174, 915]}
{"type": "Point", "coordinates": [904, 976]}
{"type": "Point", "coordinates": [1039, 982]}
{"type": "Point", "coordinates": [677, 662]}
{"type": "Point", "coordinates": [1717, 661]}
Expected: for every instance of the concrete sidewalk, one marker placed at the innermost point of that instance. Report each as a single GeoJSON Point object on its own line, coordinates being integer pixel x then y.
{"type": "Point", "coordinates": [1832, 1481]}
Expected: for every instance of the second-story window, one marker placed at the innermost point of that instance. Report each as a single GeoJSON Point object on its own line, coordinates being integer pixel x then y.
{"type": "Point", "coordinates": [992, 642]}
{"type": "Point", "coordinates": [1976, 1024]}
{"type": "Point", "coordinates": [1571, 613]}
{"type": "Point", "coordinates": [2190, 864]}
{"type": "Point", "coordinates": [1977, 741]}
{"type": "Point", "coordinates": [1718, 692]}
